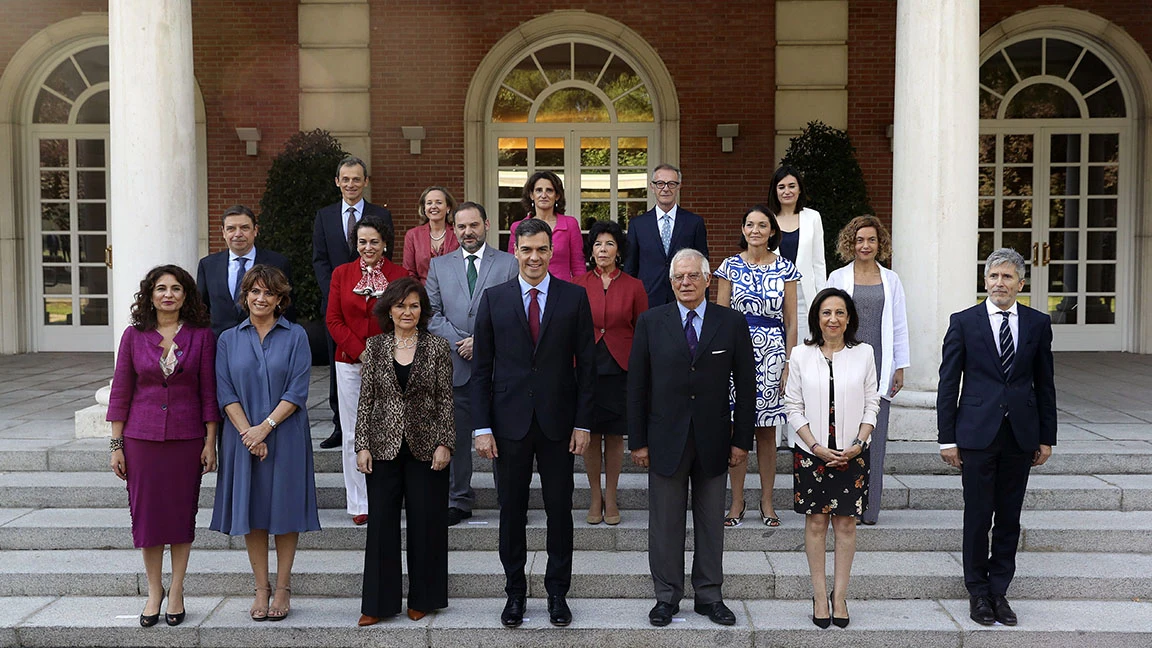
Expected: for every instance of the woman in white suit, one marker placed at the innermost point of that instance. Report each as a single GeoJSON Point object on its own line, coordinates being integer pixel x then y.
{"type": "Point", "coordinates": [802, 242]}
{"type": "Point", "coordinates": [879, 299]}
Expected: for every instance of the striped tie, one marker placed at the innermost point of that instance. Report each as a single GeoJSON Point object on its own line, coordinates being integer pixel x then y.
{"type": "Point", "coordinates": [1007, 348]}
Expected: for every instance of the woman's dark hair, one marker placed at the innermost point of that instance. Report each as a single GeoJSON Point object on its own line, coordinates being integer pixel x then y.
{"type": "Point", "coordinates": [274, 281]}
{"type": "Point", "coordinates": [384, 229]}
{"type": "Point", "coordinates": [817, 338]}
{"type": "Point", "coordinates": [531, 227]}
{"type": "Point", "coordinates": [774, 198]}
{"type": "Point", "coordinates": [193, 312]}
{"type": "Point", "coordinates": [396, 293]}
{"type": "Point", "coordinates": [774, 240]}
{"type": "Point", "coordinates": [606, 227]}
{"type": "Point", "coordinates": [526, 198]}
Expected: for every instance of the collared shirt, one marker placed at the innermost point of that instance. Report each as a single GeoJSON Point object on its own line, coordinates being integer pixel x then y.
{"type": "Point", "coordinates": [234, 268]}
{"type": "Point", "coordinates": [479, 257]}
{"type": "Point", "coordinates": [542, 298]}
{"type": "Point", "coordinates": [698, 323]}
{"type": "Point", "coordinates": [671, 213]}
{"type": "Point", "coordinates": [359, 207]}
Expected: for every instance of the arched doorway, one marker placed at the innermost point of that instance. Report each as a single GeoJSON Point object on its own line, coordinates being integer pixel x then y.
{"type": "Point", "coordinates": [1057, 181]}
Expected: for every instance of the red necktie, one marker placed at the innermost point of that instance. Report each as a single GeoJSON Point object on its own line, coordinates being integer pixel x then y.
{"type": "Point", "coordinates": [534, 315]}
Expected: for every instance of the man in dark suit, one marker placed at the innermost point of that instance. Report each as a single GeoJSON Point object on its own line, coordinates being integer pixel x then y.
{"type": "Point", "coordinates": [998, 426]}
{"type": "Point", "coordinates": [657, 234]}
{"type": "Point", "coordinates": [679, 424]}
{"type": "Point", "coordinates": [455, 283]}
{"type": "Point", "coordinates": [532, 377]}
{"type": "Point", "coordinates": [331, 248]}
{"type": "Point", "coordinates": [218, 275]}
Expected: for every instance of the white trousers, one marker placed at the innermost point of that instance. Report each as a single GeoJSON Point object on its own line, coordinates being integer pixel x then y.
{"type": "Point", "coordinates": [348, 393]}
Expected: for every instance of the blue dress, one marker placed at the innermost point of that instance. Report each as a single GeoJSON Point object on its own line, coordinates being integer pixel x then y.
{"type": "Point", "coordinates": [277, 494]}
{"type": "Point", "coordinates": [758, 293]}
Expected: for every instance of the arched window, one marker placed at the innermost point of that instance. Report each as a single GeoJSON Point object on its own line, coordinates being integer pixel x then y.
{"type": "Point", "coordinates": [583, 110]}
{"type": "Point", "coordinates": [1053, 177]}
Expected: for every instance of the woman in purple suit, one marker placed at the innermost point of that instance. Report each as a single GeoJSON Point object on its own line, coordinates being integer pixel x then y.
{"type": "Point", "coordinates": [164, 418]}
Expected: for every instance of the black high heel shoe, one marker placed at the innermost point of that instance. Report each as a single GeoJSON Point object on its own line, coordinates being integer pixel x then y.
{"type": "Point", "coordinates": [175, 619]}
{"type": "Point", "coordinates": [821, 623]}
{"type": "Point", "coordinates": [839, 622]}
{"type": "Point", "coordinates": [149, 620]}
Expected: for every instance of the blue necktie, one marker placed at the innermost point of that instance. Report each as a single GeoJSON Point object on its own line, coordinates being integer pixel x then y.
{"type": "Point", "coordinates": [239, 278]}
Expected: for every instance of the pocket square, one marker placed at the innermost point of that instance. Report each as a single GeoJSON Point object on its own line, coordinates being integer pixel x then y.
{"type": "Point", "coordinates": [720, 351]}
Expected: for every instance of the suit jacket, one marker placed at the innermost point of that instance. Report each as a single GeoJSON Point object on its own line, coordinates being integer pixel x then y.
{"type": "Point", "coordinates": [671, 392]}
{"type": "Point", "coordinates": [646, 259]}
{"type": "Point", "coordinates": [512, 379]}
{"type": "Point", "coordinates": [212, 284]}
{"type": "Point", "coordinates": [349, 316]}
{"type": "Point", "coordinates": [421, 413]}
{"type": "Point", "coordinates": [615, 311]}
{"type": "Point", "coordinates": [418, 250]}
{"type": "Point", "coordinates": [971, 417]}
{"type": "Point", "coordinates": [453, 309]}
{"type": "Point", "coordinates": [330, 245]}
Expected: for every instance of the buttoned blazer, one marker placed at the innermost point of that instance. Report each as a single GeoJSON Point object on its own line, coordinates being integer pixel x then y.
{"type": "Point", "coordinates": [421, 414]}
{"type": "Point", "coordinates": [212, 284]}
{"type": "Point", "coordinates": [646, 259]}
{"type": "Point", "coordinates": [330, 247]}
{"type": "Point", "coordinates": [514, 380]}
{"type": "Point", "coordinates": [970, 416]}
{"type": "Point", "coordinates": [453, 308]}
{"type": "Point", "coordinates": [615, 311]}
{"type": "Point", "coordinates": [672, 393]}
{"type": "Point", "coordinates": [349, 316]}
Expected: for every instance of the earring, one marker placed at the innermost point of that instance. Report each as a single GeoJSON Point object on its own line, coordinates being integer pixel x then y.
{"type": "Point", "coordinates": [618, 260]}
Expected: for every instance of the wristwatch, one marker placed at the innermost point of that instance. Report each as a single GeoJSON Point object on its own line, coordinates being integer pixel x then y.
{"type": "Point", "coordinates": [271, 422]}
{"type": "Point", "coordinates": [855, 442]}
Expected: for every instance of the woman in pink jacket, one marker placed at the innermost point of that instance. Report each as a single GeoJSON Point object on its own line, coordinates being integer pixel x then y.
{"type": "Point", "coordinates": [544, 199]}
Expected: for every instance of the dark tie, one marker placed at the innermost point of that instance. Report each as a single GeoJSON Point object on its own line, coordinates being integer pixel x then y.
{"type": "Point", "coordinates": [351, 223]}
{"type": "Point", "coordinates": [534, 315]}
{"type": "Point", "coordinates": [471, 273]}
{"type": "Point", "coordinates": [1007, 349]}
{"type": "Point", "coordinates": [239, 278]}
{"type": "Point", "coordinates": [690, 333]}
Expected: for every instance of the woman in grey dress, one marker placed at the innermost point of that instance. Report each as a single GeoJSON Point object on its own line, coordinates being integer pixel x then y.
{"type": "Point", "coordinates": [266, 482]}
{"type": "Point", "coordinates": [879, 299]}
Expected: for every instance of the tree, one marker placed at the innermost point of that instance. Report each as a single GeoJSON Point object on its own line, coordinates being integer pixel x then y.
{"type": "Point", "coordinates": [833, 182]}
{"type": "Point", "coordinates": [299, 183]}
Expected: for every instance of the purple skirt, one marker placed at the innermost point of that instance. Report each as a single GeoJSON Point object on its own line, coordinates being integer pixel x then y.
{"type": "Point", "coordinates": [163, 490]}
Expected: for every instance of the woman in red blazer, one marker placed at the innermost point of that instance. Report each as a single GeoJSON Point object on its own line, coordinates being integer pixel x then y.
{"type": "Point", "coordinates": [354, 290]}
{"type": "Point", "coordinates": [617, 299]}
{"type": "Point", "coordinates": [434, 237]}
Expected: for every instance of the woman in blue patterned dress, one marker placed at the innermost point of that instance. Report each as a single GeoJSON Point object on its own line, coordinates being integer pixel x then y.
{"type": "Point", "coordinates": [762, 285]}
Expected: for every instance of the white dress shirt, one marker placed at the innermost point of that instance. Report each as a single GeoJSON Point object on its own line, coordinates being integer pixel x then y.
{"type": "Point", "coordinates": [359, 207]}
{"type": "Point", "coordinates": [479, 258]}
{"type": "Point", "coordinates": [541, 298]}
{"type": "Point", "coordinates": [234, 268]}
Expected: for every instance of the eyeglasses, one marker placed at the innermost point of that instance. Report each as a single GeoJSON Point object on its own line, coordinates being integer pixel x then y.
{"type": "Point", "coordinates": [691, 276]}
{"type": "Point", "coordinates": [661, 184]}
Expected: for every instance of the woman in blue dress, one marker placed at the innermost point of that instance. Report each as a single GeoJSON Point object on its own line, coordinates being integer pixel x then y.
{"type": "Point", "coordinates": [265, 484]}
{"type": "Point", "coordinates": [762, 285]}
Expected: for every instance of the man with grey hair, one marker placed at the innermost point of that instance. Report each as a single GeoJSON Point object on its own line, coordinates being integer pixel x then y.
{"type": "Point", "coordinates": [997, 426]}
{"type": "Point", "coordinates": [681, 427]}
{"type": "Point", "coordinates": [656, 235]}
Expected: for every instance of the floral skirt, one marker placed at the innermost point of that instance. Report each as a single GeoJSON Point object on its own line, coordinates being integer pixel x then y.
{"type": "Point", "coordinates": [831, 491]}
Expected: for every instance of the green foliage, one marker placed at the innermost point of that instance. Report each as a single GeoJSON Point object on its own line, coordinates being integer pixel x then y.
{"type": "Point", "coordinates": [833, 181]}
{"type": "Point", "coordinates": [299, 183]}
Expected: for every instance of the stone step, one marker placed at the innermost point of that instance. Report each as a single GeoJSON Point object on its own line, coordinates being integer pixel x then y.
{"type": "Point", "coordinates": [1132, 455]}
{"type": "Point", "coordinates": [1045, 492]}
{"type": "Point", "coordinates": [899, 530]}
{"type": "Point", "coordinates": [596, 574]}
{"type": "Point", "coordinates": [222, 622]}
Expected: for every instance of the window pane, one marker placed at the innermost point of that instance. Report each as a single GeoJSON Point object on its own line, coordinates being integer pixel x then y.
{"type": "Point", "coordinates": [1091, 73]}
{"type": "Point", "coordinates": [1102, 212]}
{"type": "Point", "coordinates": [1100, 310]}
{"type": "Point", "coordinates": [57, 280]}
{"type": "Point", "coordinates": [50, 109]}
{"type": "Point", "coordinates": [92, 248]}
{"type": "Point", "coordinates": [572, 105]}
{"type": "Point", "coordinates": [987, 149]}
{"type": "Point", "coordinates": [510, 107]}
{"type": "Point", "coordinates": [66, 80]}
{"type": "Point", "coordinates": [94, 280]}
{"type": "Point", "coordinates": [996, 75]}
{"type": "Point", "coordinates": [589, 61]}
{"type": "Point", "coordinates": [1064, 246]}
{"type": "Point", "coordinates": [618, 78]}
{"type": "Point", "coordinates": [512, 184]}
{"type": "Point", "coordinates": [1017, 149]}
{"type": "Point", "coordinates": [95, 110]}
{"type": "Point", "coordinates": [636, 106]}
{"type": "Point", "coordinates": [54, 185]}
{"type": "Point", "coordinates": [626, 211]}
{"type": "Point", "coordinates": [989, 105]}
{"type": "Point", "coordinates": [590, 212]}
{"type": "Point", "coordinates": [1103, 180]}
{"type": "Point", "coordinates": [526, 78]}
{"type": "Point", "coordinates": [985, 244]}
{"type": "Point", "coordinates": [54, 217]}
{"type": "Point", "coordinates": [1102, 246]}
{"type": "Point", "coordinates": [550, 153]}
{"type": "Point", "coordinates": [512, 151]}
{"type": "Point", "coordinates": [1018, 181]}
{"type": "Point", "coordinates": [1019, 241]}
{"type": "Point", "coordinates": [1025, 57]}
{"type": "Point", "coordinates": [1108, 102]}
{"type": "Point", "coordinates": [1043, 101]}
{"type": "Point", "coordinates": [1065, 148]}
{"type": "Point", "coordinates": [1062, 310]}
{"type": "Point", "coordinates": [57, 311]}
{"type": "Point", "coordinates": [1017, 213]}
{"type": "Point", "coordinates": [1101, 278]}
{"type": "Point", "coordinates": [56, 248]}
{"type": "Point", "coordinates": [632, 152]}
{"type": "Point", "coordinates": [987, 214]}
{"type": "Point", "coordinates": [510, 212]}
{"type": "Point", "coordinates": [92, 217]}
{"type": "Point", "coordinates": [979, 277]}
{"type": "Point", "coordinates": [53, 153]}
{"type": "Point", "coordinates": [90, 184]}
{"type": "Point", "coordinates": [556, 61]}
{"type": "Point", "coordinates": [987, 181]}
{"type": "Point", "coordinates": [1063, 277]}
{"type": "Point", "coordinates": [94, 62]}
{"type": "Point", "coordinates": [1064, 212]}
{"type": "Point", "coordinates": [93, 311]}
{"type": "Point", "coordinates": [595, 151]}
{"type": "Point", "coordinates": [90, 153]}
{"type": "Point", "coordinates": [1104, 147]}
{"type": "Point", "coordinates": [1064, 181]}
{"type": "Point", "coordinates": [1061, 56]}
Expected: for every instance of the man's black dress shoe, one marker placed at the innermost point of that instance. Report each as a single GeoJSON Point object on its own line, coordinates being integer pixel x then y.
{"type": "Point", "coordinates": [717, 612]}
{"type": "Point", "coordinates": [455, 515]}
{"type": "Point", "coordinates": [332, 441]}
{"type": "Point", "coordinates": [559, 614]}
{"type": "Point", "coordinates": [980, 609]}
{"type": "Point", "coordinates": [513, 614]}
{"type": "Point", "coordinates": [1002, 610]}
{"type": "Point", "coordinates": [661, 615]}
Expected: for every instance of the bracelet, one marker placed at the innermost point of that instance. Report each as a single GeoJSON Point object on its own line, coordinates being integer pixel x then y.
{"type": "Point", "coordinates": [813, 447]}
{"type": "Point", "coordinates": [115, 444]}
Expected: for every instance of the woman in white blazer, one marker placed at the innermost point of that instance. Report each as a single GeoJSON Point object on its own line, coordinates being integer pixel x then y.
{"type": "Point", "coordinates": [879, 300]}
{"type": "Point", "coordinates": [802, 240]}
{"type": "Point", "coordinates": [831, 400]}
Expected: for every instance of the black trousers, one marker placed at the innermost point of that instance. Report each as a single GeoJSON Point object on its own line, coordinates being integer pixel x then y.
{"type": "Point", "coordinates": [333, 401]}
{"type": "Point", "coordinates": [555, 465]}
{"type": "Point", "coordinates": [995, 480]}
{"type": "Point", "coordinates": [413, 484]}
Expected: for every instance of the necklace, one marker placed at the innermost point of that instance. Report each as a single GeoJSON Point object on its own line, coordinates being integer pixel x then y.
{"type": "Point", "coordinates": [405, 343]}
{"type": "Point", "coordinates": [438, 238]}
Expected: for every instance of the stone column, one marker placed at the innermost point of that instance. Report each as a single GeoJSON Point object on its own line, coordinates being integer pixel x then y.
{"type": "Point", "coordinates": [934, 201]}
{"type": "Point", "coordinates": [154, 193]}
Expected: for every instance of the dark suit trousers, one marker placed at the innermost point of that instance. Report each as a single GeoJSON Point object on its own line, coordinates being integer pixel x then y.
{"type": "Point", "coordinates": [514, 465]}
{"type": "Point", "coordinates": [667, 523]}
{"type": "Point", "coordinates": [995, 480]}
{"type": "Point", "coordinates": [333, 401]}
{"type": "Point", "coordinates": [413, 484]}
{"type": "Point", "coordinates": [460, 493]}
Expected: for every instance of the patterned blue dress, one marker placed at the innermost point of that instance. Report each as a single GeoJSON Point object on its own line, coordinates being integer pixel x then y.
{"type": "Point", "coordinates": [758, 293]}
